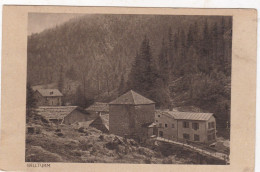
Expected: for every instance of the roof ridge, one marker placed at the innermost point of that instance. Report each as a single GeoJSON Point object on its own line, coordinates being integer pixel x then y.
{"type": "Point", "coordinates": [132, 95]}
{"type": "Point", "coordinates": [188, 115]}
{"type": "Point", "coordinates": [49, 92]}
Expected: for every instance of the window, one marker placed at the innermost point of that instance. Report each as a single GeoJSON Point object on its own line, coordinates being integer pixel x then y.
{"type": "Point", "coordinates": [196, 137]}
{"type": "Point", "coordinates": [172, 125]}
{"type": "Point", "coordinates": [195, 126]}
{"type": "Point", "coordinates": [165, 125]}
{"type": "Point", "coordinates": [186, 136]}
{"type": "Point", "coordinates": [156, 120]}
{"type": "Point", "coordinates": [159, 116]}
{"type": "Point", "coordinates": [185, 124]}
{"type": "Point", "coordinates": [160, 125]}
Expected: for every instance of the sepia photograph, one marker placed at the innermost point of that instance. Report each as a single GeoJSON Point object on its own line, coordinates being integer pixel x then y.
{"type": "Point", "coordinates": [128, 88]}
{"type": "Point", "coordinates": [138, 89]}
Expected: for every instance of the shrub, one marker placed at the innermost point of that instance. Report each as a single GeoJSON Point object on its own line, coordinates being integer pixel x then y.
{"type": "Point", "coordinates": [77, 153]}
{"type": "Point", "coordinates": [86, 146]}
{"type": "Point", "coordinates": [167, 161]}
{"type": "Point", "coordinates": [44, 120]}
{"type": "Point", "coordinates": [81, 130]}
{"type": "Point", "coordinates": [38, 131]}
{"type": "Point", "coordinates": [147, 161]}
{"type": "Point", "coordinates": [60, 134]}
{"type": "Point", "coordinates": [101, 137]}
{"type": "Point", "coordinates": [111, 146]}
{"type": "Point", "coordinates": [58, 130]}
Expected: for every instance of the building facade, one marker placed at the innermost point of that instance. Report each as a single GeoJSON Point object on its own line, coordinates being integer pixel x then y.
{"type": "Point", "coordinates": [48, 97]}
{"type": "Point", "coordinates": [186, 126]}
{"type": "Point", "coordinates": [167, 125]}
{"type": "Point", "coordinates": [130, 114]}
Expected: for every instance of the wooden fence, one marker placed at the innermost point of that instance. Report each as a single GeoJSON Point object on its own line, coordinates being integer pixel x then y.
{"type": "Point", "coordinates": [216, 155]}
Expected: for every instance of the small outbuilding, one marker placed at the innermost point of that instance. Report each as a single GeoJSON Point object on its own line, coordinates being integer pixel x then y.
{"type": "Point", "coordinates": [101, 123]}
{"type": "Point", "coordinates": [48, 97]}
{"type": "Point", "coordinates": [98, 108]}
{"type": "Point", "coordinates": [149, 129]}
{"type": "Point", "coordinates": [63, 114]}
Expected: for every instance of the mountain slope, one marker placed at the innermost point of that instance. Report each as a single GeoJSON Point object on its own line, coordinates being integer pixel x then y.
{"type": "Point", "coordinates": [100, 48]}
{"type": "Point", "coordinates": [95, 53]}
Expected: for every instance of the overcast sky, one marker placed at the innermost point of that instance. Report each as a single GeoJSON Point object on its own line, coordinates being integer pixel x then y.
{"type": "Point", "coordinates": [37, 22]}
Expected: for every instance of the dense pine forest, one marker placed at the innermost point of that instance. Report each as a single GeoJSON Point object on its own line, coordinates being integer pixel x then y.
{"type": "Point", "coordinates": [174, 60]}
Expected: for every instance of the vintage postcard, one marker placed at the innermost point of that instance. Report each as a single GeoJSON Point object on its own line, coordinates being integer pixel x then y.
{"type": "Point", "coordinates": [95, 88]}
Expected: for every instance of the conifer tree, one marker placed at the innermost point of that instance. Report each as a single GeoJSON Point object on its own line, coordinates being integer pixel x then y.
{"type": "Point", "coordinates": [164, 63]}
{"type": "Point", "coordinates": [141, 72]}
{"type": "Point", "coordinates": [144, 76]}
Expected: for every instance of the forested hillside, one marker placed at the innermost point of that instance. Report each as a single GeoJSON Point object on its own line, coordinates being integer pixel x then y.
{"type": "Point", "coordinates": [179, 60]}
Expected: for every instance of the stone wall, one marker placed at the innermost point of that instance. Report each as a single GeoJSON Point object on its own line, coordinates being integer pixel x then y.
{"type": "Point", "coordinates": [119, 119]}
{"type": "Point", "coordinates": [128, 119]}
{"type": "Point", "coordinates": [143, 114]}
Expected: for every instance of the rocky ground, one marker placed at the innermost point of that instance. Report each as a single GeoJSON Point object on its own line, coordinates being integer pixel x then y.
{"type": "Point", "coordinates": [65, 143]}
{"type": "Point", "coordinates": [69, 143]}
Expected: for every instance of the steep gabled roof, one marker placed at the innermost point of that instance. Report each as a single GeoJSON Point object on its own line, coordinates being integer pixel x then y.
{"type": "Point", "coordinates": [196, 116]}
{"type": "Point", "coordinates": [104, 119]}
{"type": "Point", "coordinates": [49, 92]}
{"type": "Point", "coordinates": [132, 98]}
